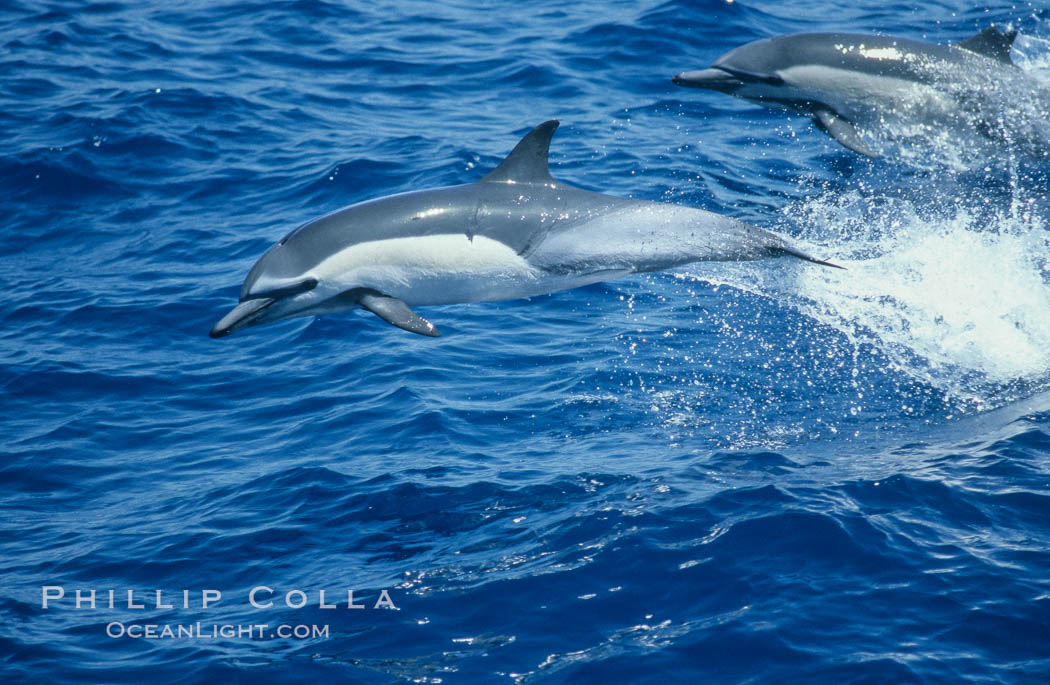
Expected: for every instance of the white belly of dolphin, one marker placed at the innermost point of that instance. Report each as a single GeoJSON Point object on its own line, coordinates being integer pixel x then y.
{"type": "Point", "coordinates": [866, 98]}
{"type": "Point", "coordinates": [440, 269]}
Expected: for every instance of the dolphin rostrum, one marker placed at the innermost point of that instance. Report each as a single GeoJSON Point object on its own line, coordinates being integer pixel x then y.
{"type": "Point", "coordinates": [885, 84]}
{"type": "Point", "coordinates": [516, 232]}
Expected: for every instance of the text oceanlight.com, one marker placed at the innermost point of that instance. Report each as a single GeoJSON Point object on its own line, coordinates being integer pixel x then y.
{"type": "Point", "coordinates": [213, 631]}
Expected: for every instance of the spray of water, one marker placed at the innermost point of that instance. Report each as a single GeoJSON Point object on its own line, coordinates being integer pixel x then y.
{"type": "Point", "coordinates": [958, 302]}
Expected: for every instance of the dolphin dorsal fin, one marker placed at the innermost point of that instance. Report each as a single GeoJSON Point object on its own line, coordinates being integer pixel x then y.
{"type": "Point", "coordinates": [527, 162]}
{"type": "Point", "coordinates": [991, 43]}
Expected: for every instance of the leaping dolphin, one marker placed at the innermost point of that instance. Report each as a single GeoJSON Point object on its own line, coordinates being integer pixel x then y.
{"type": "Point", "coordinates": [884, 84]}
{"type": "Point", "coordinates": [516, 232]}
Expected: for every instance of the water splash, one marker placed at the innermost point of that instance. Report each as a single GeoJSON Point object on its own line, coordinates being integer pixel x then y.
{"type": "Point", "coordinates": [956, 299]}
{"type": "Point", "coordinates": [1032, 55]}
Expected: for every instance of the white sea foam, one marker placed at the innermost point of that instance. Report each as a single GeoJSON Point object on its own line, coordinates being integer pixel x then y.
{"type": "Point", "coordinates": [1032, 55]}
{"type": "Point", "coordinates": [959, 302]}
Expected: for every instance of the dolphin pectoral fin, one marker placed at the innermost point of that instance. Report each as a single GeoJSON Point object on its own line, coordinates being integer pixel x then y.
{"type": "Point", "coordinates": [396, 313]}
{"type": "Point", "coordinates": [841, 130]}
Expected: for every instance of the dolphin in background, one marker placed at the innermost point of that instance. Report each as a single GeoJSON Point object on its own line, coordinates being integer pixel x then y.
{"type": "Point", "coordinates": [891, 85]}
{"type": "Point", "coordinates": [515, 233]}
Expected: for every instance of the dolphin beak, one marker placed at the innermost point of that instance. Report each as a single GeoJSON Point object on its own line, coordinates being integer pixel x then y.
{"type": "Point", "coordinates": [241, 316]}
{"type": "Point", "coordinates": [713, 79]}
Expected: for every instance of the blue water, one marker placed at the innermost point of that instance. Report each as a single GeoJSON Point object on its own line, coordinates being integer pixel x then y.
{"type": "Point", "coordinates": [763, 472]}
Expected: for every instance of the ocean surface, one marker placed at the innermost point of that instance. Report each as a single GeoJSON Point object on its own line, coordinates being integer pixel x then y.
{"type": "Point", "coordinates": [765, 472]}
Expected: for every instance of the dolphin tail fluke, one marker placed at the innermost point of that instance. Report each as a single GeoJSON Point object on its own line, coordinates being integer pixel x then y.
{"type": "Point", "coordinates": [785, 249]}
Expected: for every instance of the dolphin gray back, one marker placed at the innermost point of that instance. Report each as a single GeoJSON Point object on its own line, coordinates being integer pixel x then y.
{"type": "Point", "coordinates": [518, 204]}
